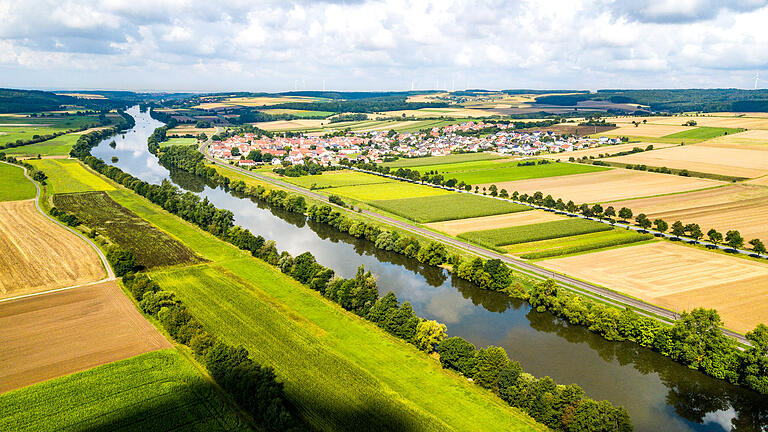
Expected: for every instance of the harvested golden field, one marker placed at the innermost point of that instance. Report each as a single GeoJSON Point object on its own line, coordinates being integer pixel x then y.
{"type": "Point", "coordinates": [38, 255]}
{"type": "Point", "coordinates": [736, 162]}
{"type": "Point", "coordinates": [762, 181]}
{"type": "Point", "coordinates": [611, 185]}
{"type": "Point", "coordinates": [679, 278]}
{"type": "Point", "coordinates": [611, 149]}
{"type": "Point", "coordinates": [437, 112]}
{"type": "Point", "coordinates": [458, 226]}
{"type": "Point", "coordinates": [56, 334]}
{"type": "Point", "coordinates": [740, 206]}
{"type": "Point", "coordinates": [83, 95]}
{"type": "Point", "coordinates": [755, 139]}
{"type": "Point", "coordinates": [647, 130]}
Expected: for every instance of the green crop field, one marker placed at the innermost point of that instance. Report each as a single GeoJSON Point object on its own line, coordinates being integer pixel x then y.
{"type": "Point", "coordinates": [13, 185]}
{"type": "Point", "coordinates": [438, 160]}
{"type": "Point", "coordinates": [340, 372]}
{"type": "Point", "coordinates": [154, 391]}
{"type": "Point", "coordinates": [496, 172]}
{"type": "Point", "coordinates": [178, 141]}
{"type": "Point", "coordinates": [534, 232]}
{"type": "Point", "coordinates": [704, 133]}
{"type": "Point", "coordinates": [447, 207]}
{"type": "Point", "coordinates": [388, 191]}
{"type": "Point", "coordinates": [575, 244]}
{"type": "Point", "coordinates": [59, 146]}
{"type": "Point", "coordinates": [149, 245]}
{"type": "Point", "coordinates": [67, 175]}
{"type": "Point", "coordinates": [13, 133]}
{"type": "Point", "coordinates": [335, 179]}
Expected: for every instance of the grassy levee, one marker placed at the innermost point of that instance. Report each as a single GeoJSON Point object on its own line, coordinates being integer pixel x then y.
{"type": "Point", "coordinates": [446, 207]}
{"type": "Point", "coordinates": [534, 232]}
{"type": "Point", "coordinates": [160, 390]}
{"type": "Point", "coordinates": [14, 185]}
{"type": "Point", "coordinates": [340, 371]}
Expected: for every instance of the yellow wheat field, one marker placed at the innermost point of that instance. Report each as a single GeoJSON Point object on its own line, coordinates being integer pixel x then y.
{"type": "Point", "coordinates": [737, 162]}
{"type": "Point", "coordinates": [679, 278]}
{"type": "Point", "coordinates": [456, 227]}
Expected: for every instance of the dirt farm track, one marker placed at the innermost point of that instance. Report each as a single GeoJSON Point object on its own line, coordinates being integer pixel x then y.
{"type": "Point", "coordinates": [56, 334]}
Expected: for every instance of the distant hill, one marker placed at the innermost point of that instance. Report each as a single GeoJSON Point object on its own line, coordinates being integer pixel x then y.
{"type": "Point", "coordinates": [25, 101]}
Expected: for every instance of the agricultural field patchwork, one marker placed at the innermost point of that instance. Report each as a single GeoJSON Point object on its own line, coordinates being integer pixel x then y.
{"type": "Point", "coordinates": [534, 232]}
{"type": "Point", "coordinates": [56, 334]}
{"type": "Point", "coordinates": [458, 226]}
{"type": "Point", "coordinates": [647, 130]}
{"type": "Point", "coordinates": [38, 255]}
{"type": "Point", "coordinates": [154, 391]}
{"type": "Point", "coordinates": [735, 162]}
{"type": "Point", "coordinates": [740, 206]}
{"type": "Point", "coordinates": [718, 120]}
{"type": "Point", "coordinates": [607, 149]}
{"type": "Point", "coordinates": [612, 185]}
{"type": "Point", "coordinates": [490, 172]}
{"type": "Point", "coordinates": [337, 369]}
{"type": "Point", "coordinates": [438, 160]}
{"type": "Point", "coordinates": [13, 184]}
{"type": "Point", "coordinates": [447, 207]}
{"type": "Point", "coordinates": [680, 278]}
{"type": "Point", "coordinates": [756, 139]}
{"type": "Point", "coordinates": [150, 246]}
{"type": "Point", "coordinates": [329, 179]}
{"type": "Point", "coordinates": [68, 175]}
{"type": "Point", "coordinates": [577, 244]}
{"type": "Point", "coordinates": [386, 191]}
{"type": "Point", "coordinates": [704, 133]}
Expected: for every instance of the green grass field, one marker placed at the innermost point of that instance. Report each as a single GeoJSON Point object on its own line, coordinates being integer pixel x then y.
{"type": "Point", "coordinates": [387, 191]}
{"type": "Point", "coordinates": [534, 232]}
{"type": "Point", "coordinates": [12, 133]}
{"type": "Point", "coordinates": [576, 244]}
{"type": "Point", "coordinates": [335, 179]}
{"type": "Point", "coordinates": [703, 133]}
{"type": "Point", "coordinates": [340, 372]}
{"type": "Point", "coordinates": [178, 141]}
{"type": "Point", "coordinates": [440, 160]}
{"type": "Point", "coordinates": [495, 172]}
{"type": "Point", "coordinates": [67, 175]}
{"type": "Point", "coordinates": [154, 391]}
{"type": "Point", "coordinates": [59, 146]}
{"type": "Point", "coordinates": [13, 185]}
{"type": "Point", "coordinates": [447, 207]}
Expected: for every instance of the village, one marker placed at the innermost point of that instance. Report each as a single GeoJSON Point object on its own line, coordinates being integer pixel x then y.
{"type": "Point", "coordinates": [376, 146]}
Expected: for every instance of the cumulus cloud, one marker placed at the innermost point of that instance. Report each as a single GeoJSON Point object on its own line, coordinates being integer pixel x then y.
{"type": "Point", "coordinates": [380, 44]}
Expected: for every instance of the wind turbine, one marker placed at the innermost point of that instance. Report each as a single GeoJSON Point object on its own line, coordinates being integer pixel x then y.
{"type": "Point", "coordinates": [757, 77]}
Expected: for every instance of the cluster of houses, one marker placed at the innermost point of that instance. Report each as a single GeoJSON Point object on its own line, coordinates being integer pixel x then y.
{"type": "Point", "coordinates": [375, 146]}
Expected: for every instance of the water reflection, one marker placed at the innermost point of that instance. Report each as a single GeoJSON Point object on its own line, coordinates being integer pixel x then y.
{"type": "Point", "coordinates": [660, 395]}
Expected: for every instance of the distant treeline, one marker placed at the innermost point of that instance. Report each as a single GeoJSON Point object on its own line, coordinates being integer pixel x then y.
{"type": "Point", "coordinates": [683, 100]}
{"type": "Point", "coordinates": [25, 101]}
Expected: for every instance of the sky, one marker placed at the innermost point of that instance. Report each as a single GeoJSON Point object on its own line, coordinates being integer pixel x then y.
{"type": "Point", "coordinates": [247, 45]}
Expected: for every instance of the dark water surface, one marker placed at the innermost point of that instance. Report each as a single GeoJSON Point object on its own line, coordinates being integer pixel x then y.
{"type": "Point", "coordinates": [659, 394]}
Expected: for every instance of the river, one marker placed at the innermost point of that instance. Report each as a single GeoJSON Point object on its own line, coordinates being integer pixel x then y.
{"type": "Point", "coordinates": [659, 394]}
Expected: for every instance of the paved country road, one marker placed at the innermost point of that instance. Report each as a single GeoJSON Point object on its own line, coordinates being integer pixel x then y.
{"type": "Point", "coordinates": [110, 276]}
{"type": "Point", "coordinates": [584, 288]}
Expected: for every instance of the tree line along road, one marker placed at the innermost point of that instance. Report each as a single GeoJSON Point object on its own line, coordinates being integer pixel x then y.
{"type": "Point", "coordinates": [581, 287]}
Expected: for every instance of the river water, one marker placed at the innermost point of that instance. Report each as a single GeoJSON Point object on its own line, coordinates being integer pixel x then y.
{"type": "Point", "coordinates": [659, 394]}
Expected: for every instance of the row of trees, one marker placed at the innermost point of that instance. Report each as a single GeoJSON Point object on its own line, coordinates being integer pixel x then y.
{"type": "Point", "coordinates": [254, 387]}
{"type": "Point", "coordinates": [495, 275]}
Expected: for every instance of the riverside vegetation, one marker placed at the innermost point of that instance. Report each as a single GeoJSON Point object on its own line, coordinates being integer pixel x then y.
{"type": "Point", "coordinates": [695, 340]}
{"type": "Point", "coordinates": [560, 407]}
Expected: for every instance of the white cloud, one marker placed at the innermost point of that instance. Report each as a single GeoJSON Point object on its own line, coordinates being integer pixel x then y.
{"type": "Point", "coordinates": [380, 44]}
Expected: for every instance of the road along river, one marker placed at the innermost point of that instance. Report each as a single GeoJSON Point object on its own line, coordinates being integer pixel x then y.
{"type": "Point", "coordinates": [659, 394]}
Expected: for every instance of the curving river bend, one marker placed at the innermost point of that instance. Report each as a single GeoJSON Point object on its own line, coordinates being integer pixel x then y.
{"type": "Point", "coordinates": [659, 394]}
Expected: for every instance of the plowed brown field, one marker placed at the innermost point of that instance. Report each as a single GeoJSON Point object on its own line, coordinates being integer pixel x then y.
{"type": "Point", "coordinates": [679, 278]}
{"type": "Point", "coordinates": [56, 334]}
{"type": "Point", "coordinates": [38, 255]}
